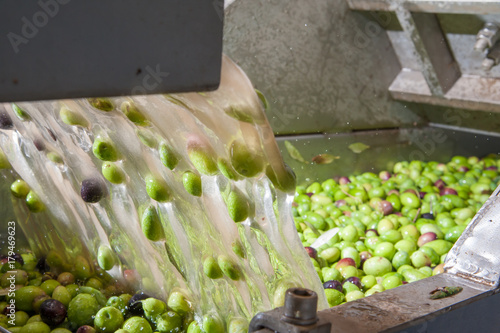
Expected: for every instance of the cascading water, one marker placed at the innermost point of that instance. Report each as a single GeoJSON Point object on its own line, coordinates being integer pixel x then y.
{"type": "Point", "coordinates": [121, 188]}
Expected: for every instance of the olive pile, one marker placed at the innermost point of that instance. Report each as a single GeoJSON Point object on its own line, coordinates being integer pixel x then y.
{"type": "Point", "coordinates": [370, 232]}
{"type": "Point", "coordinates": [76, 301]}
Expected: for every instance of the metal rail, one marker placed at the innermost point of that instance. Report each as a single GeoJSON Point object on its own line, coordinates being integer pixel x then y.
{"type": "Point", "coordinates": [429, 6]}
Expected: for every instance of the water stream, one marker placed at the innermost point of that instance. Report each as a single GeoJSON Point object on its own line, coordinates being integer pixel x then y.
{"type": "Point", "coordinates": [227, 129]}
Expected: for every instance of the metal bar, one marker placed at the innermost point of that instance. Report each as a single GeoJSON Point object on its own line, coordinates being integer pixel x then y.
{"type": "Point", "coordinates": [437, 49]}
{"type": "Point", "coordinates": [429, 6]}
{"type": "Point", "coordinates": [469, 92]}
{"type": "Point", "coordinates": [409, 26]}
{"type": "Point", "coordinates": [438, 65]}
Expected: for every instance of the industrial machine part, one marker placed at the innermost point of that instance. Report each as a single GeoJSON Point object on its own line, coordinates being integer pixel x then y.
{"type": "Point", "coordinates": [55, 49]}
{"type": "Point", "coordinates": [486, 37]}
{"type": "Point", "coordinates": [298, 315]}
{"type": "Point", "coordinates": [492, 58]}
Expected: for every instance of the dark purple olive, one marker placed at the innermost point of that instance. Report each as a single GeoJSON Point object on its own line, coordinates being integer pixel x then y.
{"type": "Point", "coordinates": [364, 256]}
{"type": "Point", "coordinates": [309, 194]}
{"type": "Point", "coordinates": [462, 168]}
{"type": "Point", "coordinates": [422, 194]}
{"type": "Point", "coordinates": [17, 257]}
{"type": "Point", "coordinates": [398, 214]}
{"type": "Point", "coordinates": [491, 168]}
{"type": "Point", "coordinates": [333, 284]}
{"type": "Point", "coordinates": [447, 190]}
{"type": "Point", "coordinates": [440, 184]}
{"type": "Point", "coordinates": [396, 192]}
{"type": "Point", "coordinates": [410, 190]}
{"type": "Point", "coordinates": [426, 238]}
{"type": "Point", "coordinates": [85, 329]}
{"type": "Point", "coordinates": [92, 190]}
{"type": "Point", "coordinates": [344, 180]}
{"type": "Point", "coordinates": [311, 252]}
{"type": "Point", "coordinates": [386, 207]}
{"type": "Point", "coordinates": [428, 216]}
{"type": "Point", "coordinates": [52, 312]}
{"type": "Point", "coordinates": [5, 120]}
{"type": "Point", "coordinates": [39, 144]}
{"type": "Point", "coordinates": [135, 303]}
{"type": "Point", "coordinates": [384, 175]}
{"type": "Point", "coordinates": [42, 265]}
{"type": "Point", "coordinates": [340, 203]}
{"type": "Point", "coordinates": [354, 280]}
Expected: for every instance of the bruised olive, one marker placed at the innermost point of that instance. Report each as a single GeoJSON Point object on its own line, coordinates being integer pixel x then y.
{"type": "Point", "coordinates": [52, 312]}
{"type": "Point", "coordinates": [92, 190]}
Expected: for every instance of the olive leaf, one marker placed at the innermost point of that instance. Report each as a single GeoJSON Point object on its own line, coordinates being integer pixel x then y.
{"type": "Point", "coordinates": [294, 153]}
{"type": "Point", "coordinates": [445, 292]}
{"type": "Point", "coordinates": [324, 158]}
{"type": "Point", "coordinates": [358, 147]}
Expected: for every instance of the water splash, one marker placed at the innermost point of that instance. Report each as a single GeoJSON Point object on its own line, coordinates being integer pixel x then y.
{"type": "Point", "coordinates": [194, 132]}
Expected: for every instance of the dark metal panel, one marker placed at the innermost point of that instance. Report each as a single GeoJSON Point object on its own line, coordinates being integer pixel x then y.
{"type": "Point", "coordinates": [480, 316]}
{"type": "Point", "coordinates": [65, 49]}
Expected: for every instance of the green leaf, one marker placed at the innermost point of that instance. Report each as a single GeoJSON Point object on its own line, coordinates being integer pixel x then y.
{"type": "Point", "coordinates": [358, 147]}
{"type": "Point", "coordinates": [324, 158]}
{"type": "Point", "coordinates": [294, 153]}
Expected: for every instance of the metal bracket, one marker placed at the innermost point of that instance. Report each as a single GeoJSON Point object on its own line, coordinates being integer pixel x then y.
{"type": "Point", "coordinates": [297, 316]}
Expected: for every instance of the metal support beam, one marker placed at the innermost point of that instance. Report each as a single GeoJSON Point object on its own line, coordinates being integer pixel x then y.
{"type": "Point", "coordinates": [438, 64]}
{"type": "Point", "coordinates": [476, 7]}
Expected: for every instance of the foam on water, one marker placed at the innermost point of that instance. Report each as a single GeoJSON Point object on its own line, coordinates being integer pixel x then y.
{"type": "Point", "coordinates": [194, 227]}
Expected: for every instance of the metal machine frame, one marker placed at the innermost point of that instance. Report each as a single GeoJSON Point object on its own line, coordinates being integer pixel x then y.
{"type": "Point", "coordinates": [55, 49]}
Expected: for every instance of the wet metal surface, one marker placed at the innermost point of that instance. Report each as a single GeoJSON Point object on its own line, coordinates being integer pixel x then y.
{"type": "Point", "coordinates": [475, 254]}
{"type": "Point", "coordinates": [400, 308]}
